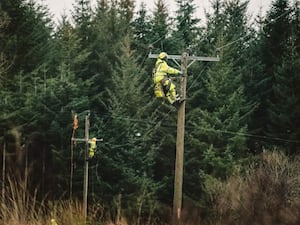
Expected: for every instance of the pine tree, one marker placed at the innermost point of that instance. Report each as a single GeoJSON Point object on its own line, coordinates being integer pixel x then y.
{"type": "Point", "coordinates": [159, 26]}
{"type": "Point", "coordinates": [29, 33]}
{"type": "Point", "coordinates": [4, 64]}
{"type": "Point", "coordinates": [217, 125]}
{"type": "Point", "coordinates": [28, 47]}
{"type": "Point", "coordinates": [82, 16]}
{"type": "Point", "coordinates": [69, 53]}
{"type": "Point", "coordinates": [141, 30]}
{"type": "Point", "coordinates": [128, 153]}
{"type": "Point", "coordinates": [283, 111]}
{"type": "Point", "coordinates": [105, 48]}
{"type": "Point", "coordinates": [126, 12]}
{"type": "Point", "coordinates": [255, 84]}
{"type": "Point", "coordinates": [187, 27]}
{"type": "Point", "coordinates": [284, 108]}
{"type": "Point", "coordinates": [275, 34]}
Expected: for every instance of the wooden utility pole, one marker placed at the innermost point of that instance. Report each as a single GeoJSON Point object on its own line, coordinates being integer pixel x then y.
{"type": "Point", "coordinates": [178, 181]}
{"type": "Point", "coordinates": [86, 165]}
{"type": "Point", "coordinates": [86, 162]}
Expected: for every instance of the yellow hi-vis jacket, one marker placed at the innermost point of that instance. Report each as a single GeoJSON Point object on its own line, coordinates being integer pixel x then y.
{"type": "Point", "coordinates": [161, 70]}
{"type": "Point", "coordinates": [93, 146]}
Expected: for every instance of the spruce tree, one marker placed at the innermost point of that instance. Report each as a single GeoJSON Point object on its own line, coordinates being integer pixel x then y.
{"type": "Point", "coordinates": [68, 93]}
{"type": "Point", "coordinates": [4, 64]}
{"type": "Point", "coordinates": [187, 26]}
{"type": "Point", "coordinates": [108, 29]}
{"type": "Point", "coordinates": [160, 26]}
{"type": "Point", "coordinates": [29, 33]}
{"type": "Point", "coordinates": [29, 49]}
{"type": "Point", "coordinates": [29, 43]}
{"type": "Point", "coordinates": [283, 110]}
{"type": "Point", "coordinates": [127, 155]}
{"type": "Point", "coordinates": [275, 34]}
{"type": "Point", "coordinates": [141, 30]}
{"type": "Point", "coordinates": [126, 13]}
{"type": "Point", "coordinates": [217, 125]}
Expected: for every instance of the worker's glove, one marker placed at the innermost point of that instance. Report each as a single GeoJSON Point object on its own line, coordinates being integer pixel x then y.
{"type": "Point", "coordinates": [181, 73]}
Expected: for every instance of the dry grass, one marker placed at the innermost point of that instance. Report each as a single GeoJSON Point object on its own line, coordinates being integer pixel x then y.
{"type": "Point", "coordinates": [268, 194]}
{"type": "Point", "coordinates": [18, 207]}
{"type": "Point", "coordinates": [66, 212]}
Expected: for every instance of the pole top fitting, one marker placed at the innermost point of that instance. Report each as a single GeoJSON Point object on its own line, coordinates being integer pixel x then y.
{"type": "Point", "coordinates": [150, 47]}
{"type": "Point", "coordinates": [185, 54]}
{"type": "Point", "coordinates": [218, 50]}
{"type": "Point", "coordinates": [189, 50]}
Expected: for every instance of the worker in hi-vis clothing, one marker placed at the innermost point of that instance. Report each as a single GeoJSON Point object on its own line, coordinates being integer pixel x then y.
{"type": "Point", "coordinates": [164, 87]}
{"type": "Point", "coordinates": [93, 146]}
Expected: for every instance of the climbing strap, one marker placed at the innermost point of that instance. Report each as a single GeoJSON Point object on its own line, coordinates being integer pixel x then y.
{"type": "Point", "coordinates": [166, 88]}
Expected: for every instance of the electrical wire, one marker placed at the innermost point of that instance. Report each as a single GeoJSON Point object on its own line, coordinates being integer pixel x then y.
{"type": "Point", "coordinates": [241, 38]}
{"type": "Point", "coordinates": [195, 79]}
{"type": "Point", "coordinates": [224, 131]}
{"type": "Point", "coordinates": [162, 36]}
{"type": "Point", "coordinates": [190, 128]}
{"type": "Point", "coordinates": [250, 135]}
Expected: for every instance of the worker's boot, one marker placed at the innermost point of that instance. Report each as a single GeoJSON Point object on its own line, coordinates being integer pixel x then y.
{"type": "Point", "coordinates": [178, 101]}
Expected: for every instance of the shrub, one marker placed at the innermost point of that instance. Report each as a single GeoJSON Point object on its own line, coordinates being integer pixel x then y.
{"type": "Point", "coordinates": [268, 193]}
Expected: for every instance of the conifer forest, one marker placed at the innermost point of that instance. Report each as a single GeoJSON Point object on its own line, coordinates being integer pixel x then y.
{"type": "Point", "coordinates": [242, 114]}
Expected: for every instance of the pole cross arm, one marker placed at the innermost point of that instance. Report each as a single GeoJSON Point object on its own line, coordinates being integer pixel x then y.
{"type": "Point", "coordinates": [202, 58]}
{"type": "Point", "coordinates": [155, 56]}
{"type": "Point", "coordinates": [83, 139]}
{"type": "Point", "coordinates": [173, 57]}
{"type": "Point", "coordinates": [193, 58]}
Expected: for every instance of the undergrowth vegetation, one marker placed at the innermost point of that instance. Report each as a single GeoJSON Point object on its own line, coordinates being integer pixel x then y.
{"type": "Point", "coordinates": [267, 193]}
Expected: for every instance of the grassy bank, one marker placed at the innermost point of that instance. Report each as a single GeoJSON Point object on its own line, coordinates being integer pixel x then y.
{"type": "Point", "coordinates": [265, 193]}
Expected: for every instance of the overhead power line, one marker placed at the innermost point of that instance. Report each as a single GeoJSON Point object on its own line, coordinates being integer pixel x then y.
{"type": "Point", "coordinates": [195, 126]}
{"type": "Point", "coordinates": [241, 38]}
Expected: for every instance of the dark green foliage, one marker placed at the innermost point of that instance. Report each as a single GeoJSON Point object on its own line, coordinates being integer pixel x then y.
{"type": "Point", "coordinates": [187, 30]}
{"type": "Point", "coordinates": [276, 32]}
{"type": "Point", "coordinates": [159, 26]}
{"type": "Point", "coordinates": [278, 35]}
{"type": "Point", "coordinates": [284, 107]}
{"type": "Point", "coordinates": [127, 154]}
{"type": "Point", "coordinates": [141, 29]}
{"type": "Point", "coordinates": [97, 62]}
{"type": "Point", "coordinates": [217, 128]}
{"type": "Point", "coordinates": [218, 121]}
{"type": "Point", "coordinates": [28, 34]}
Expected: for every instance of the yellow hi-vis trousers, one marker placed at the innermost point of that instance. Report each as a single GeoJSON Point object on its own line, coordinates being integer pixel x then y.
{"type": "Point", "coordinates": [171, 93]}
{"type": "Point", "coordinates": [165, 88]}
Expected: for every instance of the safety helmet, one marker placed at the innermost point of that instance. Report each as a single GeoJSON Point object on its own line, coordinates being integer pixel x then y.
{"type": "Point", "coordinates": [94, 139]}
{"type": "Point", "coordinates": [163, 55]}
